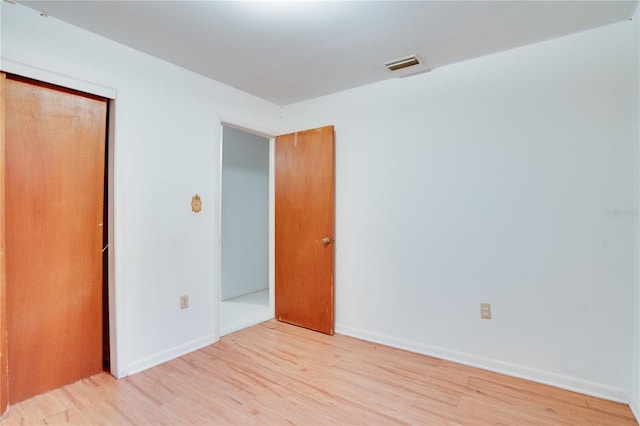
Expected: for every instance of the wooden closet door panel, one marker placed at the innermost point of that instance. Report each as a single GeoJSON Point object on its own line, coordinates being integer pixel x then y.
{"type": "Point", "coordinates": [55, 142]}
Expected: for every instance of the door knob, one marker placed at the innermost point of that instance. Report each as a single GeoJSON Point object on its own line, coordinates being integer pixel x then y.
{"type": "Point", "coordinates": [326, 240]}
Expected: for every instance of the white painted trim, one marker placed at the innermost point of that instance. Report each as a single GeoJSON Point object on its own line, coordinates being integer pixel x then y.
{"type": "Point", "coordinates": [544, 377]}
{"type": "Point", "coordinates": [169, 354]}
{"type": "Point", "coordinates": [245, 126]}
{"type": "Point", "coordinates": [635, 409]}
{"type": "Point", "coordinates": [116, 295]}
{"type": "Point", "coordinates": [244, 292]}
{"type": "Point", "coordinates": [217, 290]}
{"type": "Point", "coordinates": [272, 227]}
{"type": "Point", "coordinates": [24, 70]}
{"type": "Point", "coordinates": [218, 293]}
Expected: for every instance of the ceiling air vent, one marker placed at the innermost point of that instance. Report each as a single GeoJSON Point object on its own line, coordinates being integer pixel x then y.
{"type": "Point", "coordinates": [398, 64]}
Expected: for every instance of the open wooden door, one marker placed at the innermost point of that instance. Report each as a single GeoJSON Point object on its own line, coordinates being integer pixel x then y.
{"type": "Point", "coordinates": [304, 229]}
{"type": "Point", "coordinates": [54, 165]}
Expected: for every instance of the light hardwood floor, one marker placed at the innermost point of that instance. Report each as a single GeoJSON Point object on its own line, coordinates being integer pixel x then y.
{"type": "Point", "coordinates": [274, 373]}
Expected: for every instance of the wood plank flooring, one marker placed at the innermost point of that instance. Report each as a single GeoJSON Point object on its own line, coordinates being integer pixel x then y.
{"type": "Point", "coordinates": [275, 373]}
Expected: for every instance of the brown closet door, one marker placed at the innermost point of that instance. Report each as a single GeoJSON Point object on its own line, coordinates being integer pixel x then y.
{"type": "Point", "coordinates": [55, 141]}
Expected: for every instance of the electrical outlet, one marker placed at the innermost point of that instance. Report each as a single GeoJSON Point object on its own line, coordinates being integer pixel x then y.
{"type": "Point", "coordinates": [485, 310]}
{"type": "Point", "coordinates": [184, 301]}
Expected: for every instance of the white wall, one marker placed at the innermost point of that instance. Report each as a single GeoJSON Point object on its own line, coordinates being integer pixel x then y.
{"type": "Point", "coordinates": [506, 179]}
{"type": "Point", "coordinates": [167, 148]}
{"type": "Point", "coordinates": [635, 394]}
{"type": "Point", "coordinates": [245, 213]}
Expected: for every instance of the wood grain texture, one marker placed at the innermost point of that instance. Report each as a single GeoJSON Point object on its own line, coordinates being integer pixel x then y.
{"type": "Point", "coordinates": [4, 400]}
{"type": "Point", "coordinates": [55, 141]}
{"type": "Point", "coordinates": [304, 215]}
{"type": "Point", "coordinates": [276, 373]}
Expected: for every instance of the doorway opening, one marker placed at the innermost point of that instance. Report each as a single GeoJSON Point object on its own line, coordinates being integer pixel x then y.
{"type": "Point", "coordinates": [246, 292]}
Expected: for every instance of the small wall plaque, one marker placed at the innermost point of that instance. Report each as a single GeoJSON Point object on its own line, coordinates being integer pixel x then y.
{"type": "Point", "coordinates": [196, 204]}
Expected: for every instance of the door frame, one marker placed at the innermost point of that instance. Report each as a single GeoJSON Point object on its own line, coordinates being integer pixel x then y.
{"type": "Point", "coordinates": [116, 291]}
{"type": "Point", "coordinates": [268, 134]}
{"type": "Point", "coordinates": [4, 372]}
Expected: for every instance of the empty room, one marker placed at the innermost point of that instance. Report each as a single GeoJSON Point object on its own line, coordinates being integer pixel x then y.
{"type": "Point", "coordinates": [320, 212]}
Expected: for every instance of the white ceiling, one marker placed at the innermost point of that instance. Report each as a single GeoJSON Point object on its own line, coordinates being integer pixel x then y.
{"type": "Point", "coordinates": [292, 51]}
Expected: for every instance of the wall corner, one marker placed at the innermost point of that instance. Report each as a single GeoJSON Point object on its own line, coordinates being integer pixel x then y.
{"type": "Point", "coordinates": [635, 375]}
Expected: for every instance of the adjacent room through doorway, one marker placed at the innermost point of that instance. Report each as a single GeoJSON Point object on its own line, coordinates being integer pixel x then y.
{"type": "Point", "coordinates": [244, 230]}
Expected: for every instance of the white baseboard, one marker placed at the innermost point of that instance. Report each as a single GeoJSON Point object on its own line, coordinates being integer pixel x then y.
{"type": "Point", "coordinates": [544, 377]}
{"type": "Point", "coordinates": [635, 409]}
{"type": "Point", "coordinates": [226, 297]}
{"type": "Point", "coordinates": [169, 354]}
